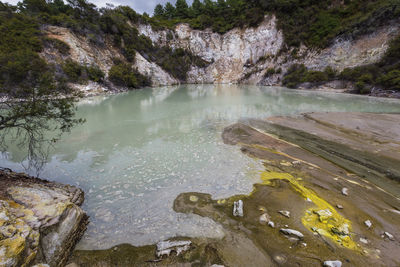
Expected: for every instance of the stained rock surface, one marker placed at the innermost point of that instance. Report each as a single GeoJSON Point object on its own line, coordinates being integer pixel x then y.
{"type": "Point", "coordinates": [40, 221]}
{"type": "Point", "coordinates": [305, 168]}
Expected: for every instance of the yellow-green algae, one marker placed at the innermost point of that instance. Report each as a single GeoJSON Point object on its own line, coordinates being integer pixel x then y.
{"type": "Point", "coordinates": [15, 233]}
{"type": "Point", "coordinates": [322, 218]}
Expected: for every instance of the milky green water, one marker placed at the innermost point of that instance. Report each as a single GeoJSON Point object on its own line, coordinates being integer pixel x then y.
{"type": "Point", "coordinates": [137, 151]}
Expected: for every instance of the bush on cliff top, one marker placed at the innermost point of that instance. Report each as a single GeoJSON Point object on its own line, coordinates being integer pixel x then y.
{"type": "Point", "coordinates": [314, 23]}
{"type": "Point", "coordinates": [383, 74]}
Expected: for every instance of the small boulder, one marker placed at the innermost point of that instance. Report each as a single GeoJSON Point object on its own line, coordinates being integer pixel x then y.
{"type": "Point", "coordinates": [285, 213]}
{"type": "Point", "coordinates": [368, 223]}
{"type": "Point", "coordinates": [388, 235]}
{"type": "Point", "coordinates": [332, 264]}
{"type": "Point", "coordinates": [345, 191]}
{"type": "Point", "coordinates": [292, 233]}
{"type": "Point", "coordinates": [164, 248]}
{"type": "Point", "coordinates": [264, 219]}
{"type": "Point", "coordinates": [238, 208]}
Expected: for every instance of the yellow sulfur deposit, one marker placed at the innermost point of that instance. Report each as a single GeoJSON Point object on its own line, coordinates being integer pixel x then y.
{"type": "Point", "coordinates": [323, 218]}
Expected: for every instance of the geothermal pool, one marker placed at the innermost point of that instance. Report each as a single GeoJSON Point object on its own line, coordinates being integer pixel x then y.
{"type": "Point", "coordinates": [138, 150]}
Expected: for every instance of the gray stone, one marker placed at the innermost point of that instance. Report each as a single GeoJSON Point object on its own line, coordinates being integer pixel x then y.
{"type": "Point", "coordinates": [388, 235]}
{"type": "Point", "coordinates": [238, 208]}
{"type": "Point", "coordinates": [292, 233]}
{"type": "Point", "coordinates": [345, 191]}
{"type": "Point", "coordinates": [164, 248]}
{"type": "Point", "coordinates": [332, 264]}
{"type": "Point", "coordinates": [264, 219]}
{"type": "Point", "coordinates": [285, 213]}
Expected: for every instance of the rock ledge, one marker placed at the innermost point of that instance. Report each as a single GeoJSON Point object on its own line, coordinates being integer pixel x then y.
{"type": "Point", "coordinates": [40, 221]}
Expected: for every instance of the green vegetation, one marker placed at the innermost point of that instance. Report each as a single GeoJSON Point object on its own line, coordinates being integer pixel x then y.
{"type": "Point", "coordinates": [298, 73]}
{"type": "Point", "coordinates": [58, 45]}
{"type": "Point", "coordinates": [123, 74]}
{"type": "Point", "coordinates": [384, 74]}
{"type": "Point", "coordinates": [25, 76]}
{"type": "Point", "coordinates": [81, 74]}
{"type": "Point", "coordinates": [176, 62]}
{"type": "Point", "coordinates": [312, 22]}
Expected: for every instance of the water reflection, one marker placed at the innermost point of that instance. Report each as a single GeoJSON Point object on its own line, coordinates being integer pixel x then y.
{"type": "Point", "coordinates": [139, 150]}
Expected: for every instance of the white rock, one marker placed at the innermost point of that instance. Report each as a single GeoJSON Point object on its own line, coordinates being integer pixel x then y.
{"type": "Point", "coordinates": [285, 213]}
{"type": "Point", "coordinates": [271, 224]}
{"type": "Point", "coordinates": [238, 208]}
{"type": "Point", "coordinates": [388, 235]}
{"type": "Point", "coordinates": [164, 248]}
{"type": "Point", "coordinates": [291, 232]}
{"type": "Point", "coordinates": [332, 264]}
{"type": "Point", "coordinates": [364, 240]}
{"type": "Point", "coordinates": [339, 207]}
{"type": "Point", "coordinates": [345, 191]}
{"type": "Point", "coordinates": [368, 223]}
{"type": "Point", "coordinates": [264, 219]}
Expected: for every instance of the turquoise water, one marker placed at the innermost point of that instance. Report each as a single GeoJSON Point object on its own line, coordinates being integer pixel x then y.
{"type": "Point", "coordinates": [138, 150]}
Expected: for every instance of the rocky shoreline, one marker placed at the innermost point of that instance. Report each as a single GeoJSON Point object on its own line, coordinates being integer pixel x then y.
{"type": "Point", "coordinates": [317, 204]}
{"type": "Point", "coordinates": [40, 221]}
{"type": "Point", "coordinates": [328, 196]}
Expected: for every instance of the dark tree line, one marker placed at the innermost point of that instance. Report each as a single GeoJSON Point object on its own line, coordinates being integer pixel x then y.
{"type": "Point", "coordinates": [312, 22]}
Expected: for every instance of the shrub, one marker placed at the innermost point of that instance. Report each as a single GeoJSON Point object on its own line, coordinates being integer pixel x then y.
{"type": "Point", "coordinates": [270, 71]}
{"type": "Point", "coordinates": [72, 70]}
{"type": "Point", "coordinates": [77, 73]}
{"type": "Point", "coordinates": [391, 80]}
{"type": "Point", "coordinates": [62, 47]}
{"type": "Point", "coordinates": [123, 74]}
{"type": "Point", "coordinates": [315, 77]}
{"type": "Point", "coordinates": [294, 75]}
{"type": "Point", "coordinates": [95, 73]}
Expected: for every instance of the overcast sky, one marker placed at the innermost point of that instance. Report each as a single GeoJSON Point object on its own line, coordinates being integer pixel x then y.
{"type": "Point", "coordinates": [138, 5]}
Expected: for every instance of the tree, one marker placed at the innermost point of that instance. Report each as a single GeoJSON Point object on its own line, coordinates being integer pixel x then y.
{"type": "Point", "coordinates": [158, 11]}
{"type": "Point", "coordinates": [37, 101]}
{"type": "Point", "coordinates": [169, 11]}
{"type": "Point", "coordinates": [196, 8]}
{"type": "Point", "coordinates": [209, 7]}
{"type": "Point", "coordinates": [182, 9]}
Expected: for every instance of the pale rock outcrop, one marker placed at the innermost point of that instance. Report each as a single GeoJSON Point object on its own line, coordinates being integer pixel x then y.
{"type": "Point", "coordinates": [343, 53]}
{"type": "Point", "coordinates": [245, 55]}
{"type": "Point", "coordinates": [156, 73]}
{"type": "Point", "coordinates": [230, 54]}
{"type": "Point", "coordinates": [40, 221]}
{"type": "Point", "coordinates": [242, 55]}
{"type": "Point", "coordinates": [82, 50]}
{"type": "Point", "coordinates": [85, 52]}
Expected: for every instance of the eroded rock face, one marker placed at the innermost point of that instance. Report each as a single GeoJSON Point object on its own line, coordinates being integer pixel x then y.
{"type": "Point", "coordinates": [245, 55]}
{"type": "Point", "coordinates": [242, 55]}
{"type": "Point", "coordinates": [85, 52]}
{"type": "Point", "coordinates": [40, 221]}
{"type": "Point", "coordinates": [157, 75]}
{"type": "Point", "coordinates": [231, 54]}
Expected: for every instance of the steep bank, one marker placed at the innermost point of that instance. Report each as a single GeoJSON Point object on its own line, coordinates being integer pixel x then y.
{"type": "Point", "coordinates": [246, 55]}
{"type": "Point", "coordinates": [242, 55]}
{"type": "Point", "coordinates": [40, 221]}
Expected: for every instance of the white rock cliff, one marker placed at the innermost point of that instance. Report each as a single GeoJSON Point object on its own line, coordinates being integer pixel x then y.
{"type": "Point", "coordinates": [238, 56]}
